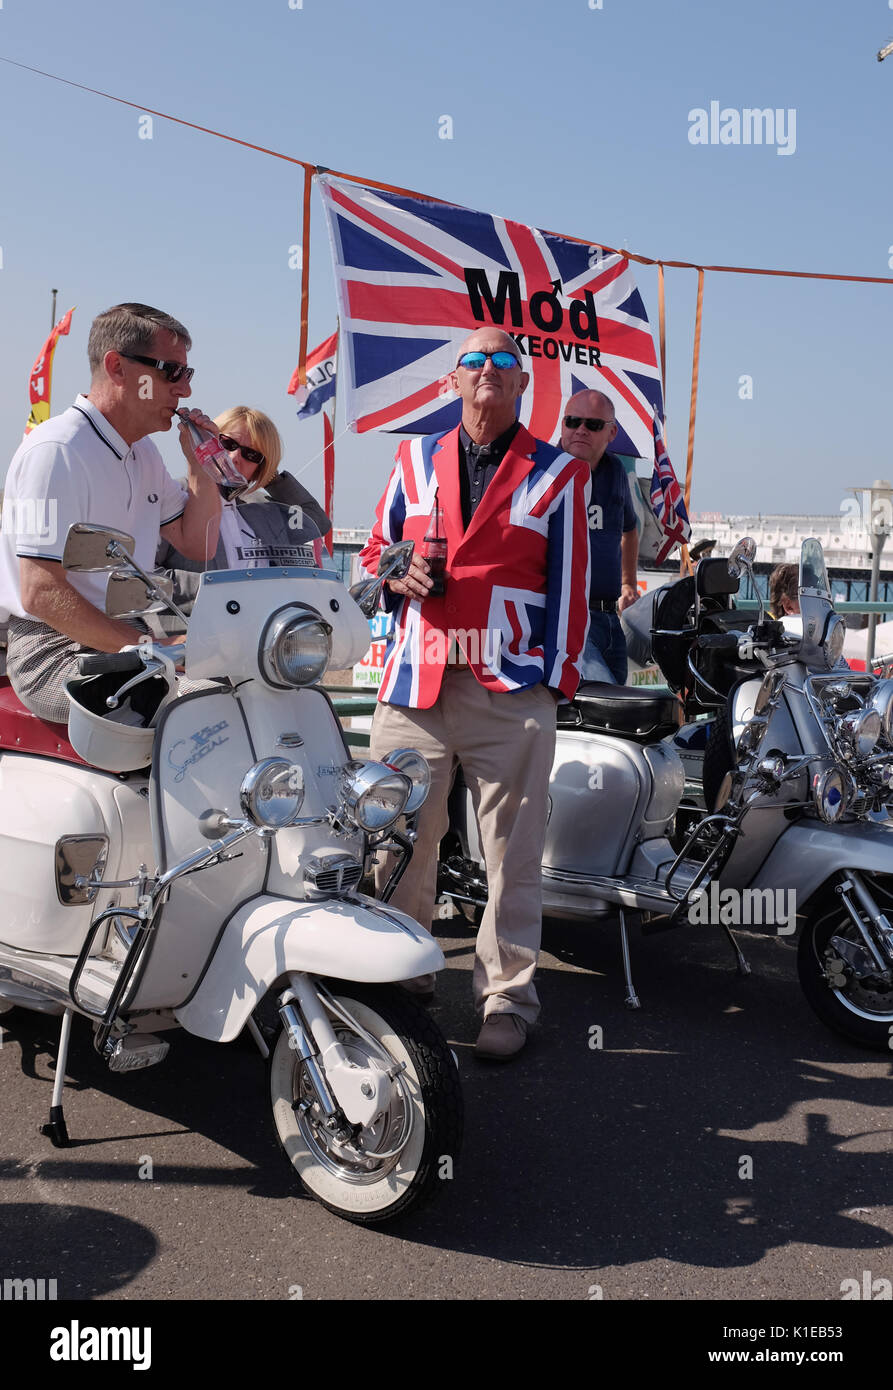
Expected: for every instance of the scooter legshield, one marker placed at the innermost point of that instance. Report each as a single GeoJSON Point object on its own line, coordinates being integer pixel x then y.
{"type": "Point", "coordinates": [269, 937]}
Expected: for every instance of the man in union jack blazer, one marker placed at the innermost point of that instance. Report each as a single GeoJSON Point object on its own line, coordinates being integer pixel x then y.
{"type": "Point", "coordinates": [474, 675]}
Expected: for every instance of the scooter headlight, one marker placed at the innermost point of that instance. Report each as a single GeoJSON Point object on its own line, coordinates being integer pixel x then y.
{"type": "Point", "coordinates": [829, 795]}
{"type": "Point", "coordinates": [272, 793]}
{"type": "Point", "coordinates": [410, 762]}
{"type": "Point", "coordinates": [859, 731]}
{"type": "Point", "coordinates": [833, 639]}
{"type": "Point", "coordinates": [372, 795]}
{"type": "Point", "coordinates": [295, 647]}
{"type": "Point", "coordinates": [881, 699]}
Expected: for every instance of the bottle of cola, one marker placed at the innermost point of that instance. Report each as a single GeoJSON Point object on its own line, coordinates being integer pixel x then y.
{"type": "Point", "coordinates": [434, 550]}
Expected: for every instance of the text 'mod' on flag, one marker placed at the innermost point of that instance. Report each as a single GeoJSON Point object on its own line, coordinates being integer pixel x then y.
{"type": "Point", "coordinates": [414, 277]}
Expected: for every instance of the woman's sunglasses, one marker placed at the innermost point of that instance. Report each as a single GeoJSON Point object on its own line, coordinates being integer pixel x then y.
{"type": "Point", "coordinates": [475, 360]}
{"type": "Point", "coordinates": [232, 446]}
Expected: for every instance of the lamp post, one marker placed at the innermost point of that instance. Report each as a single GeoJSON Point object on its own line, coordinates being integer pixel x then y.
{"type": "Point", "coordinates": [879, 528]}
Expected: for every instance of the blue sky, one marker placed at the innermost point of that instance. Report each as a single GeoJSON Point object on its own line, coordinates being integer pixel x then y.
{"type": "Point", "coordinates": [566, 117]}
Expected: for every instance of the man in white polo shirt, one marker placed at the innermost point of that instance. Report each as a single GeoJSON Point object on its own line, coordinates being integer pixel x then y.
{"type": "Point", "coordinates": [94, 463]}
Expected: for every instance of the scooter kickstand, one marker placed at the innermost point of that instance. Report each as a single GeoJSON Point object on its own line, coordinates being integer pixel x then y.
{"type": "Point", "coordinates": [632, 1000]}
{"type": "Point", "coordinates": [743, 967]}
{"type": "Point", "coordinates": [56, 1131]}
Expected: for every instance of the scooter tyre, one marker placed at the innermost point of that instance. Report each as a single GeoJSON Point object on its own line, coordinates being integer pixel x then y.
{"type": "Point", "coordinates": [407, 1034]}
{"type": "Point", "coordinates": [846, 1011]}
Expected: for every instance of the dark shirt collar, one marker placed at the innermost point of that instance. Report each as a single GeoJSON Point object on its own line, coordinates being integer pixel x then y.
{"type": "Point", "coordinates": [495, 451]}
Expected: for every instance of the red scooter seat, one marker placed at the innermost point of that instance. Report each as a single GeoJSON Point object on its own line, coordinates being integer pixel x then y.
{"type": "Point", "coordinates": [22, 732]}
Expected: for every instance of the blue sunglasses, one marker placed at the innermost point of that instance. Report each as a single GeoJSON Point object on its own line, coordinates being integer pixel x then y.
{"type": "Point", "coordinates": [475, 360]}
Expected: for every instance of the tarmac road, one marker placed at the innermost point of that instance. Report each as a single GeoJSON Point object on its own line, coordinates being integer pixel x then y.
{"type": "Point", "coordinates": [718, 1144]}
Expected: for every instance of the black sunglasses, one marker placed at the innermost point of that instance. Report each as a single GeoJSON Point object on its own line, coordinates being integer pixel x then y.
{"type": "Point", "coordinates": [232, 446]}
{"type": "Point", "coordinates": [173, 371]}
{"type": "Point", "coordinates": [593, 426]}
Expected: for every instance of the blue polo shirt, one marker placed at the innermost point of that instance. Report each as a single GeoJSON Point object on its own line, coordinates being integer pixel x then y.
{"type": "Point", "coordinates": [611, 512]}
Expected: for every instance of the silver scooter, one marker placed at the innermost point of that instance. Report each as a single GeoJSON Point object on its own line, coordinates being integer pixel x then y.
{"type": "Point", "coordinates": [799, 782]}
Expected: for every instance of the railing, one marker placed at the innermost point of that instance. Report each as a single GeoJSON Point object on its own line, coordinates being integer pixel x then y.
{"type": "Point", "coordinates": [350, 700]}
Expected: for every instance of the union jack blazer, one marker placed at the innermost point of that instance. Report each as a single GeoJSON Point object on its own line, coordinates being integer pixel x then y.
{"type": "Point", "coordinates": [517, 590]}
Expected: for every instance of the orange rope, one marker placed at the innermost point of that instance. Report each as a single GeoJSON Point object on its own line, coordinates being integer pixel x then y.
{"type": "Point", "coordinates": [165, 116]}
{"type": "Point", "coordinates": [427, 197]}
{"type": "Point", "coordinates": [662, 331]}
{"type": "Point", "coordinates": [305, 277]}
{"type": "Point", "coordinates": [696, 357]}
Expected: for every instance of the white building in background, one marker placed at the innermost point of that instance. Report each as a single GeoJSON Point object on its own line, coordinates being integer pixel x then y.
{"type": "Point", "coordinates": [846, 540]}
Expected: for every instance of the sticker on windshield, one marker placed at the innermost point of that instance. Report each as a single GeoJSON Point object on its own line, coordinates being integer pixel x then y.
{"type": "Point", "coordinates": [301, 555]}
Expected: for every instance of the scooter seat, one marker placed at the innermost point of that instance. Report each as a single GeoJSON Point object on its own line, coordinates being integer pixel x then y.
{"type": "Point", "coordinates": [22, 732]}
{"type": "Point", "coordinates": [625, 711]}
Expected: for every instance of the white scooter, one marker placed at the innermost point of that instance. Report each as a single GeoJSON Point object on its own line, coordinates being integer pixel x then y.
{"type": "Point", "coordinates": [243, 796]}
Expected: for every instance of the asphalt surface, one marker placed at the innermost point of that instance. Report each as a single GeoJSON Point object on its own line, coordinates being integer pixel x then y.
{"type": "Point", "coordinates": [718, 1144]}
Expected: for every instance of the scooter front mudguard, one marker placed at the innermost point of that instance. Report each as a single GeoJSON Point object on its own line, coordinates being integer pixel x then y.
{"type": "Point", "coordinates": [809, 853]}
{"type": "Point", "coordinates": [268, 937]}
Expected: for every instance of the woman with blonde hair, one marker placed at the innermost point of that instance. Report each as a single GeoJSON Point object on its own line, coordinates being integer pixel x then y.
{"type": "Point", "coordinates": [252, 521]}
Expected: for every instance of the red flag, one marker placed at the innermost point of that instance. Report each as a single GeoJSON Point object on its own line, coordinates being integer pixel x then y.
{"type": "Point", "coordinates": [329, 474]}
{"type": "Point", "coordinates": [41, 375]}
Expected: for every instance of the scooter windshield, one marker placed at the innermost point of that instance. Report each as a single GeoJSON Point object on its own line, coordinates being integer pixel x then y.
{"type": "Point", "coordinates": [258, 533]}
{"type": "Point", "coordinates": [813, 574]}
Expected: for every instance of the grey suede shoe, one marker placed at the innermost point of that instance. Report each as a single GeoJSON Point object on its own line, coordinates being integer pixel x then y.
{"type": "Point", "coordinates": [501, 1038]}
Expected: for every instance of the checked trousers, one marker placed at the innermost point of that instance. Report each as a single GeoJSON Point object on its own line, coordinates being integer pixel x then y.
{"type": "Point", "coordinates": [505, 742]}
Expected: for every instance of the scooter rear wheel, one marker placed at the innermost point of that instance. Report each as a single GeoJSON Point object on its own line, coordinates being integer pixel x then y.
{"type": "Point", "coordinates": [423, 1123]}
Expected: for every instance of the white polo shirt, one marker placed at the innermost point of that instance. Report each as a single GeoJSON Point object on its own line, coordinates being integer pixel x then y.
{"type": "Point", "coordinates": [76, 467]}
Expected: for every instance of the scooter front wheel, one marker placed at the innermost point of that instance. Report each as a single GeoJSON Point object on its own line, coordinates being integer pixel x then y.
{"type": "Point", "coordinates": [409, 1147]}
{"type": "Point", "coordinates": [860, 1009]}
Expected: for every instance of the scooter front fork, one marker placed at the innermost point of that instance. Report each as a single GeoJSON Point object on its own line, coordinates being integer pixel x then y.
{"type": "Point", "coordinates": [348, 1095]}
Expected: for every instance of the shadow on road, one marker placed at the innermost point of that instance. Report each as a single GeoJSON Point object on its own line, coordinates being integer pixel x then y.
{"type": "Point", "coordinates": [717, 1123]}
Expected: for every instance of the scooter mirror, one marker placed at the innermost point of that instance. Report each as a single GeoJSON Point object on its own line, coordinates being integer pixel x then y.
{"type": "Point", "coordinates": [88, 547]}
{"type": "Point", "coordinates": [395, 559]}
{"type": "Point", "coordinates": [767, 692]}
{"type": "Point", "coordinates": [742, 556]}
{"type": "Point", "coordinates": [393, 563]}
{"type": "Point", "coordinates": [127, 596]}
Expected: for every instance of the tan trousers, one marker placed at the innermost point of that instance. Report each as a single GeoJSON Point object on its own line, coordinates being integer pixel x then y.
{"type": "Point", "coordinates": [506, 744]}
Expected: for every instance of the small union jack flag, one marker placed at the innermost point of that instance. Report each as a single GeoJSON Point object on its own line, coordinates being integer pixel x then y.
{"type": "Point", "coordinates": [414, 277]}
{"type": "Point", "coordinates": [667, 501]}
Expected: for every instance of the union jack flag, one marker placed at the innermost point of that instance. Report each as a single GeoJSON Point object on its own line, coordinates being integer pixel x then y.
{"type": "Point", "coordinates": [321, 373]}
{"type": "Point", "coordinates": [667, 501]}
{"type": "Point", "coordinates": [414, 277]}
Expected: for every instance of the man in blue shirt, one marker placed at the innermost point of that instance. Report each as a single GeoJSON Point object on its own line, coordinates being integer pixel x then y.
{"type": "Point", "coordinates": [587, 429]}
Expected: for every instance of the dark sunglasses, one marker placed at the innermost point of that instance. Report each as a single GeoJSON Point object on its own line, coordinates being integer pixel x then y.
{"type": "Point", "coordinates": [475, 360]}
{"type": "Point", "coordinates": [593, 426]}
{"type": "Point", "coordinates": [173, 371]}
{"type": "Point", "coordinates": [232, 446]}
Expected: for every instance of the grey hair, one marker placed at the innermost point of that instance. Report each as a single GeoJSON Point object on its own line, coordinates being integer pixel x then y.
{"type": "Point", "coordinates": [129, 328]}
